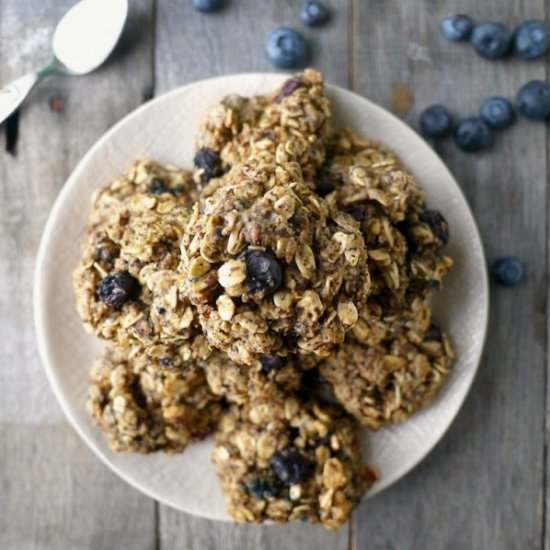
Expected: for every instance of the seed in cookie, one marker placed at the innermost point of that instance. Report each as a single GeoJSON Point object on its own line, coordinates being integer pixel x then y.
{"type": "Point", "coordinates": [117, 289]}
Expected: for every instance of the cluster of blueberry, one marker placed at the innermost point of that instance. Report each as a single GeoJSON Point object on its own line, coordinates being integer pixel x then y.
{"type": "Point", "coordinates": [474, 134]}
{"type": "Point", "coordinates": [471, 134]}
{"type": "Point", "coordinates": [529, 41]}
{"type": "Point", "coordinates": [285, 48]}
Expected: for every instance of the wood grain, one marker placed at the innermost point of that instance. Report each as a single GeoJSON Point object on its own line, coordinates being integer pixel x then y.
{"type": "Point", "coordinates": [181, 531]}
{"type": "Point", "coordinates": [191, 46]}
{"type": "Point", "coordinates": [54, 493]}
{"type": "Point", "coordinates": [482, 486]}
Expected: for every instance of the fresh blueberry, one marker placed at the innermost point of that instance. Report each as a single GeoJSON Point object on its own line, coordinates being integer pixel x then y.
{"type": "Point", "coordinates": [532, 39]}
{"type": "Point", "coordinates": [456, 28]}
{"type": "Point", "coordinates": [117, 289]}
{"type": "Point", "coordinates": [207, 6]}
{"type": "Point", "coordinates": [507, 271]}
{"type": "Point", "coordinates": [286, 48]}
{"type": "Point", "coordinates": [435, 121]}
{"type": "Point", "coordinates": [290, 466]}
{"type": "Point", "coordinates": [472, 135]}
{"type": "Point", "coordinates": [533, 100]}
{"type": "Point", "coordinates": [209, 162]}
{"type": "Point", "coordinates": [313, 13]}
{"type": "Point", "coordinates": [492, 40]}
{"type": "Point", "coordinates": [497, 112]}
{"type": "Point", "coordinates": [263, 271]}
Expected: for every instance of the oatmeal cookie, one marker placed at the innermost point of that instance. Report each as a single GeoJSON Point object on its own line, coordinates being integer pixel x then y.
{"type": "Point", "coordinates": [282, 459]}
{"type": "Point", "coordinates": [399, 372]}
{"type": "Point", "coordinates": [127, 286]}
{"type": "Point", "coordinates": [143, 177]}
{"type": "Point", "coordinates": [271, 267]}
{"type": "Point", "coordinates": [405, 260]}
{"type": "Point", "coordinates": [143, 405]}
{"type": "Point", "coordinates": [361, 171]}
{"type": "Point", "coordinates": [404, 238]}
{"type": "Point", "coordinates": [287, 125]}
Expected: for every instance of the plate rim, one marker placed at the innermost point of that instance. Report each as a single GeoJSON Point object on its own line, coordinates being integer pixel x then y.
{"type": "Point", "coordinates": [39, 287]}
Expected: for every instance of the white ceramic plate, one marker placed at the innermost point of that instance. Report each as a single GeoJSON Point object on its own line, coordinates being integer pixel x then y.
{"type": "Point", "coordinates": [163, 129]}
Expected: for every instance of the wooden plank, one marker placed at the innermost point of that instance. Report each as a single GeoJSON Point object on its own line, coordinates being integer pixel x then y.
{"type": "Point", "coordinates": [182, 531]}
{"type": "Point", "coordinates": [191, 46]}
{"type": "Point", "coordinates": [482, 486]}
{"type": "Point", "coordinates": [54, 492]}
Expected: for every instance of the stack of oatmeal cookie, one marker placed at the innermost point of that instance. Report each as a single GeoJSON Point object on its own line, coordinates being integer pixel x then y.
{"type": "Point", "coordinates": [276, 296]}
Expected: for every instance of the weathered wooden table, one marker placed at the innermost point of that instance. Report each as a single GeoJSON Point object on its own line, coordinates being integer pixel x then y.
{"type": "Point", "coordinates": [485, 486]}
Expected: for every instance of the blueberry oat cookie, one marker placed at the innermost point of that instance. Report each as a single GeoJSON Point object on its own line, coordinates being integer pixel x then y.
{"type": "Point", "coordinates": [388, 380]}
{"type": "Point", "coordinates": [143, 405]}
{"type": "Point", "coordinates": [287, 125]}
{"type": "Point", "coordinates": [272, 267]}
{"type": "Point", "coordinates": [282, 459]}
{"type": "Point", "coordinates": [143, 177]}
{"type": "Point", "coordinates": [404, 238]}
{"type": "Point", "coordinates": [361, 171]}
{"type": "Point", "coordinates": [127, 286]}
